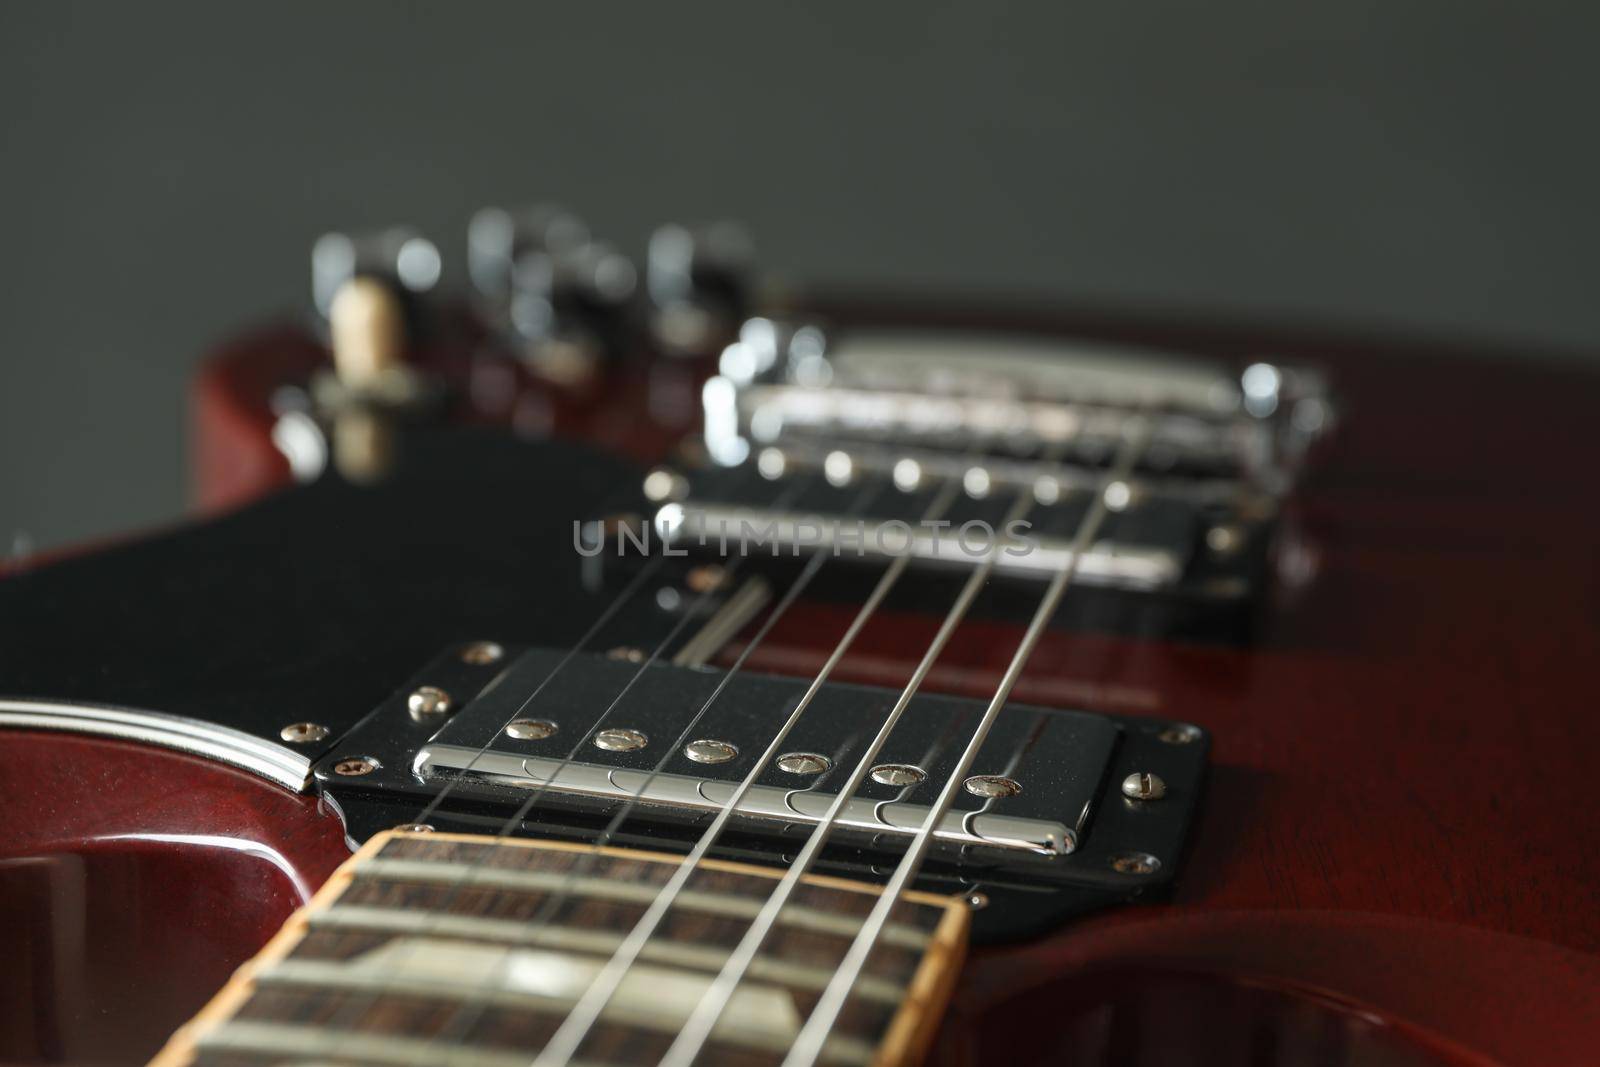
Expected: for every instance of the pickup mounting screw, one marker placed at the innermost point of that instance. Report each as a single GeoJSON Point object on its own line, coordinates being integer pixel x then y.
{"type": "Point", "coordinates": [898, 774]}
{"type": "Point", "coordinates": [803, 763]}
{"type": "Point", "coordinates": [620, 740]}
{"type": "Point", "coordinates": [304, 732]}
{"type": "Point", "coordinates": [481, 653]}
{"type": "Point", "coordinates": [414, 828]}
{"type": "Point", "coordinates": [1224, 540]}
{"type": "Point", "coordinates": [992, 785]}
{"type": "Point", "coordinates": [1180, 733]}
{"type": "Point", "coordinates": [355, 766]}
{"type": "Point", "coordinates": [705, 578]}
{"type": "Point", "coordinates": [530, 729]}
{"type": "Point", "coordinates": [662, 485]}
{"type": "Point", "coordinates": [977, 900]}
{"type": "Point", "coordinates": [1144, 786]}
{"type": "Point", "coordinates": [710, 751]}
{"type": "Point", "coordinates": [428, 702]}
{"type": "Point", "coordinates": [1135, 863]}
{"type": "Point", "coordinates": [626, 654]}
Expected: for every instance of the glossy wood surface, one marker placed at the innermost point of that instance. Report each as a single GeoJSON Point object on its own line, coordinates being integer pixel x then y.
{"type": "Point", "coordinates": [1395, 859]}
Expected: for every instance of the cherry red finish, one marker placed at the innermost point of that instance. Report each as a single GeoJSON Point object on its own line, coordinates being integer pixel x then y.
{"type": "Point", "coordinates": [133, 880]}
{"type": "Point", "coordinates": [1395, 859]}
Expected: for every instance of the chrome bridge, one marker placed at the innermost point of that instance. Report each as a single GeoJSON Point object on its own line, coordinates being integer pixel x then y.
{"type": "Point", "coordinates": [1004, 418]}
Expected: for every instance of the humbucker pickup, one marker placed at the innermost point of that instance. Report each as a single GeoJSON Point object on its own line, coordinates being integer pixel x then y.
{"type": "Point", "coordinates": [1043, 809]}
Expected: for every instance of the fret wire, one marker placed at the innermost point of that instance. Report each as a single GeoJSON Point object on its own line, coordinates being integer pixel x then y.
{"type": "Point", "coordinates": [564, 1043]}
{"type": "Point", "coordinates": [521, 813]}
{"type": "Point", "coordinates": [808, 1046]}
{"type": "Point", "coordinates": [366, 918]}
{"type": "Point", "coordinates": [812, 567]}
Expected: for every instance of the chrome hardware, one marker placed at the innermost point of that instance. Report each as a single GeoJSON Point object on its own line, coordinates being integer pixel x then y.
{"type": "Point", "coordinates": [1180, 734]}
{"type": "Point", "coordinates": [1135, 863]}
{"type": "Point", "coordinates": [898, 774]}
{"type": "Point", "coordinates": [304, 732]}
{"type": "Point", "coordinates": [1041, 836]}
{"type": "Point", "coordinates": [554, 294]}
{"type": "Point", "coordinates": [399, 255]}
{"type": "Point", "coordinates": [697, 280]}
{"type": "Point", "coordinates": [428, 702]}
{"type": "Point", "coordinates": [992, 785]}
{"type": "Point", "coordinates": [663, 484]}
{"type": "Point", "coordinates": [620, 740]}
{"type": "Point", "coordinates": [414, 828]}
{"type": "Point", "coordinates": [707, 751]}
{"type": "Point", "coordinates": [482, 653]}
{"type": "Point", "coordinates": [1105, 563]}
{"type": "Point", "coordinates": [1144, 787]}
{"type": "Point", "coordinates": [530, 729]}
{"type": "Point", "coordinates": [803, 763]}
{"type": "Point", "coordinates": [778, 383]}
{"type": "Point", "coordinates": [497, 238]}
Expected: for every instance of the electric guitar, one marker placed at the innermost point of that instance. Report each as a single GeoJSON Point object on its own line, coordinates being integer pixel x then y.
{"type": "Point", "coordinates": [619, 664]}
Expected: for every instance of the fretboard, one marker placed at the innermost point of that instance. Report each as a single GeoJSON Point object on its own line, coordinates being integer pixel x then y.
{"type": "Point", "coordinates": [428, 948]}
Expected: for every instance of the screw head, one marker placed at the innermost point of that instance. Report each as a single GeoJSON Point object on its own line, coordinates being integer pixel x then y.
{"type": "Point", "coordinates": [304, 732]}
{"type": "Point", "coordinates": [1135, 863]}
{"type": "Point", "coordinates": [1179, 733]}
{"type": "Point", "coordinates": [355, 766]}
{"type": "Point", "coordinates": [428, 702]}
{"type": "Point", "coordinates": [710, 751]}
{"type": "Point", "coordinates": [1117, 496]}
{"type": "Point", "coordinates": [662, 485]}
{"type": "Point", "coordinates": [803, 763]}
{"type": "Point", "coordinates": [1144, 786]}
{"type": "Point", "coordinates": [772, 463]}
{"type": "Point", "coordinates": [977, 900]}
{"type": "Point", "coordinates": [992, 785]}
{"type": "Point", "coordinates": [705, 578]}
{"type": "Point", "coordinates": [413, 828]}
{"type": "Point", "coordinates": [481, 653]}
{"type": "Point", "coordinates": [898, 774]}
{"type": "Point", "coordinates": [620, 740]}
{"type": "Point", "coordinates": [530, 729]}
{"type": "Point", "coordinates": [1224, 540]}
{"type": "Point", "coordinates": [626, 654]}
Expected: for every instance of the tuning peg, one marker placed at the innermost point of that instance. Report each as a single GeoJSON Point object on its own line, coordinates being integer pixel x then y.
{"type": "Point", "coordinates": [497, 238]}
{"type": "Point", "coordinates": [698, 279]}
{"type": "Point", "coordinates": [398, 256]}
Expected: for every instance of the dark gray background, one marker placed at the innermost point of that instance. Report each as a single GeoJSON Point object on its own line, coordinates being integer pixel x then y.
{"type": "Point", "coordinates": [1429, 166]}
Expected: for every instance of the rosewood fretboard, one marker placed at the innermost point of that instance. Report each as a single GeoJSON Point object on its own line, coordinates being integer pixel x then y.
{"type": "Point", "coordinates": [432, 948]}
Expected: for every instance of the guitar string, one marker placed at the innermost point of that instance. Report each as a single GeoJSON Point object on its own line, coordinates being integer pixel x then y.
{"type": "Point", "coordinates": [570, 1034]}
{"type": "Point", "coordinates": [471, 870]}
{"type": "Point", "coordinates": [714, 1001]}
{"type": "Point", "coordinates": [809, 1043]}
{"type": "Point", "coordinates": [632, 586]}
{"type": "Point", "coordinates": [563, 1045]}
{"type": "Point", "coordinates": [463, 1020]}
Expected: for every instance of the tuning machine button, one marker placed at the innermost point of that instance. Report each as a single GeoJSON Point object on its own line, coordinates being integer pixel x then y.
{"type": "Point", "coordinates": [698, 279]}
{"type": "Point", "coordinates": [558, 297]}
{"type": "Point", "coordinates": [498, 237]}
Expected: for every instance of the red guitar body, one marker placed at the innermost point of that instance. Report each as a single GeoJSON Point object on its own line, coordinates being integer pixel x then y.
{"type": "Point", "coordinates": [1394, 861]}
